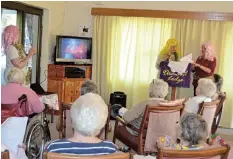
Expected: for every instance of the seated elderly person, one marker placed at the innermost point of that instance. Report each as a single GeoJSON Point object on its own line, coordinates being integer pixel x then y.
{"type": "Point", "coordinates": [88, 87]}
{"type": "Point", "coordinates": [158, 90]}
{"type": "Point", "coordinates": [192, 134]}
{"type": "Point", "coordinates": [15, 89]}
{"type": "Point", "coordinates": [88, 114]}
{"type": "Point", "coordinates": [205, 90]}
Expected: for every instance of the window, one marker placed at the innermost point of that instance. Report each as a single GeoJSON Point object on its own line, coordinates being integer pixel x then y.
{"type": "Point", "coordinates": [29, 20]}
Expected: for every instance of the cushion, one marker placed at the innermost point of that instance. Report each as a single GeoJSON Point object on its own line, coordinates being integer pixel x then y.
{"type": "Point", "coordinates": [13, 130]}
{"type": "Point", "coordinates": [172, 103]}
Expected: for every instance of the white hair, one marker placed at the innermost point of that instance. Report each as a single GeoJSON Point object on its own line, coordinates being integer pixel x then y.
{"type": "Point", "coordinates": [89, 114]}
{"type": "Point", "coordinates": [158, 88]}
{"type": "Point", "coordinates": [15, 75]}
{"type": "Point", "coordinates": [206, 87]}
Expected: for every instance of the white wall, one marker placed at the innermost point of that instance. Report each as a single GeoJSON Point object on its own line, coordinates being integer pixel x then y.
{"type": "Point", "coordinates": [53, 24]}
{"type": "Point", "coordinates": [79, 13]}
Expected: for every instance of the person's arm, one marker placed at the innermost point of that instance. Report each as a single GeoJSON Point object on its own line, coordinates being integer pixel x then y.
{"type": "Point", "coordinates": [19, 63]}
{"type": "Point", "coordinates": [209, 69]}
{"type": "Point", "coordinates": [33, 99]}
{"type": "Point", "coordinates": [135, 112]}
{"type": "Point", "coordinates": [206, 69]}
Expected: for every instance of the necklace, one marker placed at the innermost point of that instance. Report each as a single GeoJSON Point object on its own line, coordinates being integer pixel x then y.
{"type": "Point", "coordinates": [22, 56]}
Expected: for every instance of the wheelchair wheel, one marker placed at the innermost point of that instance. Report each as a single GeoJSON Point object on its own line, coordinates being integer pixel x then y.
{"type": "Point", "coordinates": [35, 140]}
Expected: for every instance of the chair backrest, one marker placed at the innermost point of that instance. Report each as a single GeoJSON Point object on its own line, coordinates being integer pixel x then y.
{"type": "Point", "coordinates": [204, 153]}
{"type": "Point", "coordinates": [221, 98]}
{"type": "Point", "coordinates": [5, 155]}
{"type": "Point", "coordinates": [158, 121]}
{"type": "Point", "coordinates": [207, 111]}
{"type": "Point", "coordinates": [51, 155]}
{"type": "Point", "coordinates": [218, 113]}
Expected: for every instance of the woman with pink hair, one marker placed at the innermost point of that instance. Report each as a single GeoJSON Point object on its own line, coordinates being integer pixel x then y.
{"type": "Point", "coordinates": [205, 64]}
{"type": "Point", "coordinates": [15, 54]}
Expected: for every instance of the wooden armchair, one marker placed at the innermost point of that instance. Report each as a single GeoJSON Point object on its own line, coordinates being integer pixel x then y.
{"type": "Point", "coordinates": [218, 113]}
{"type": "Point", "coordinates": [138, 143]}
{"type": "Point", "coordinates": [51, 155]}
{"type": "Point", "coordinates": [204, 153]}
{"type": "Point", "coordinates": [5, 155]}
{"type": "Point", "coordinates": [208, 110]}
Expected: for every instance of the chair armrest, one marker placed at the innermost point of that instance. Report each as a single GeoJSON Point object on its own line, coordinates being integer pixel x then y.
{"type": "Point", "coordinates": [119, 119]}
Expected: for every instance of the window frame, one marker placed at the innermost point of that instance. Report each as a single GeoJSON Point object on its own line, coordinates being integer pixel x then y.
{"type": "Point", "coordinates": [31, 10]}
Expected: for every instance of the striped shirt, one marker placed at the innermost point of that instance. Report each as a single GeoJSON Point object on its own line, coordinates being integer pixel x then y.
{"type": "Point", "coordinates": [65, 146]}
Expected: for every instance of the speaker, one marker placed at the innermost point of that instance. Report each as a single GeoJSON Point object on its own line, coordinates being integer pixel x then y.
{"type": "Point", "coordinates": [117, 101]}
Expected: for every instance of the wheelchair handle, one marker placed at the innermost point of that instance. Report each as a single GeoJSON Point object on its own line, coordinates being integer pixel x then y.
{"type": "Point", "coordinates": [23, 97]}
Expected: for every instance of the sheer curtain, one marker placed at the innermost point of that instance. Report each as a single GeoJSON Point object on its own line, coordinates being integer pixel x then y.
{"type": "Point", "coordinates": [191, 35]}
{"type": "Point", "coordinates": [125, 53]}
{"type": "Point", "coordinates": [226, 70]}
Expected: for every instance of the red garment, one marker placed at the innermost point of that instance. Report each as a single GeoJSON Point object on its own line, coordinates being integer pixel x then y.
{"type": "Point", "coordinates": [199, 73]}
{"type": "Point", "coordinates": [12, 91]}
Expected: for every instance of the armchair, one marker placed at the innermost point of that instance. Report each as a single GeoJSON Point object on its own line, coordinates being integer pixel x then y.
{"type": "Point", "coordinates": [157, 121]}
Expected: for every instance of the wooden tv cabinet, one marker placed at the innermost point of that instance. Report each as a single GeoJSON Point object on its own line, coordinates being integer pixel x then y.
{"type": "Point", "coordinates": [68, 89]}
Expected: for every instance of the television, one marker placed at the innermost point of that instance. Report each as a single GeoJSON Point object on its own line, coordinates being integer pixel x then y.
{"type": "Point", "coordinates": [73, 50]}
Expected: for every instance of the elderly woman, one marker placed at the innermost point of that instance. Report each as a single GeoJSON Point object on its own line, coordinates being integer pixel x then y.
{"type": "Point", "coordinates": [88, 87]}
{"type": "Point", "coordinates": [192, 133]}
{"type": "Point", "coordinates": [88, 114]}
{"type": "Point", "coordinates": [205, 90]}
{"type": "Point", "coordinates": [14, 89]}
{"type": "Point", "coordinates": [15, 54]}
{"type": "Point", "coordinates": [205, 64]}
{"type": "Point", "coordinates": [158, 90]}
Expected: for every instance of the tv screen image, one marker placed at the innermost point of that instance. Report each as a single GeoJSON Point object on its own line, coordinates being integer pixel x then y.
{"type": "Point", "coordinates": [73, 49]}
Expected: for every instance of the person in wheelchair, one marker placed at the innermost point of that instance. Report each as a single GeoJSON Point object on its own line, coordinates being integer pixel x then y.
{"type": "Point", "coordinates": [88, 114]}
{"type": "Point", "coordinates": [14, 89]}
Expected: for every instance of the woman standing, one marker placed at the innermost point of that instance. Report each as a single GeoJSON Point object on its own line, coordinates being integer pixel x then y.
{"type": "Point", "coordinates": [15, 54]}
{"type": "Point", "coordinates": [205, 64]}
{"type": "Point", "coordinates": [170, 52]}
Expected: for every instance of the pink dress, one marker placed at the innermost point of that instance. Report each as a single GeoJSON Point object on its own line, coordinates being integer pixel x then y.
{"type": "Point", "coordinates": [12, 91]}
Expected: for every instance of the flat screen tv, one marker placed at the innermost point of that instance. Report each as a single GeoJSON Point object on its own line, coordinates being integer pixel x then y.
{"type": "Point", "coordinates": [73, 50]}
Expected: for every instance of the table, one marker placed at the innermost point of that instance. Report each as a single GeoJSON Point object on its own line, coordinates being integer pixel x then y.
{"type": "Point", "coordinates": [67, 106]}
{"type": "Point", "coordinates": [51, 101]}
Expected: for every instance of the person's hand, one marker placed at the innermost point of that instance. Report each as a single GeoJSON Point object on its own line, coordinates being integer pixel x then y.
{"type": "Point", "coordinates": [196, 64]}
{"type": "Point", "coordinates": [32, 51]}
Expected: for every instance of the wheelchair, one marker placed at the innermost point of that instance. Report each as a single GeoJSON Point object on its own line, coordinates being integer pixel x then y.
{"type": "Point", "coordinates": [37, 130]}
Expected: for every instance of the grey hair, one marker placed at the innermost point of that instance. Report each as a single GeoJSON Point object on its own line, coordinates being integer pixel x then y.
{"type": "Point", "coordinates": [158, 88]}
{"type": "Point", "coordinates": [15, 75]}
{"type": "Point", "coordinates": [89, 114]}
{"type": "Point", "coordinates": [206, 87]}
{"type": "Point", "coordinates": [88, 87]}
{"type": "Point", "coordinates": [193, 128]}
